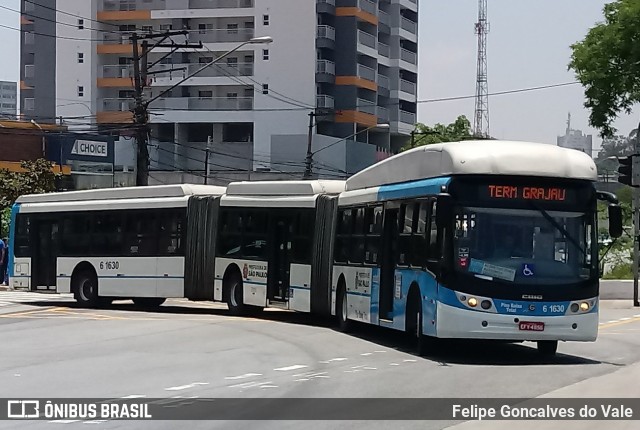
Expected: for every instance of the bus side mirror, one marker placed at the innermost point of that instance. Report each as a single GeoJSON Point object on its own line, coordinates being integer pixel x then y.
{"type": "Point", "coordinates": [615, 221]}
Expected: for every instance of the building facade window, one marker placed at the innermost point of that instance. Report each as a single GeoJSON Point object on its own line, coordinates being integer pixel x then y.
{"type": "Point", "coordinates": [81, 24]}
{"type": "Point", "coordinates": [80, 57]}
{"type": "Point", "coordinates": [265, 19]}
{"type": "Point", "coordinates": [80, 91]}
{"type": "Point", "coordinates": [265, 54]}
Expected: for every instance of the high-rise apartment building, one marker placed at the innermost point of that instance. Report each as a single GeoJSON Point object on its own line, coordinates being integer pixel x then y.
{"type": "Point", "coordinates": [8, 98]}
{"type": "Point", "coordinates": [353, 60]}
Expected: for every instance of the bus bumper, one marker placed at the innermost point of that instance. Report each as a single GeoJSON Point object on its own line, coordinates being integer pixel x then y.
{"type": "Point", "coordinates": [460, 323]}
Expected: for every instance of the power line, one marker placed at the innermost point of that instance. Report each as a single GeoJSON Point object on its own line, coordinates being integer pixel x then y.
{"type": "Point", "coordinates": [84, 39]}
{"type": "Point", "coordinates": [29, 14]}
{"type": "Point", "coordinates": [71, 14]}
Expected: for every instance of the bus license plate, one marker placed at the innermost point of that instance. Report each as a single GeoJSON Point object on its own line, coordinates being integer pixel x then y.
{"type": "Point", "coordinates": [531, 326]}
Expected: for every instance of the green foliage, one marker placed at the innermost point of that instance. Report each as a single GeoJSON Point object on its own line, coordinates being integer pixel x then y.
{"type": "Point", "coordinates": [607, 63]}
{"type": "Point", "coordinates": [616, 146]}
{"type": "Point", "coordinates": [5, 219]}
{"type": "Point", "coordinates": [37, 178]}
{"type": "Point", "coordinates": [622, 270]}
{"type": "Point", "coordinates": [460, 129]}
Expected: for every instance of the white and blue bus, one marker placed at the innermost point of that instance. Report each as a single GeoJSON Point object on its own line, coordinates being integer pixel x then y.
{"type": "Point", "coordinates": [476, 239]}
{"type": "Point", "coordinates": [103, 245]}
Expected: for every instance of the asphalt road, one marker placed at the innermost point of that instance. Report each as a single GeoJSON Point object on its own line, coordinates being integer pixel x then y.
{"type": "Point", "coordinates": [48, 348]}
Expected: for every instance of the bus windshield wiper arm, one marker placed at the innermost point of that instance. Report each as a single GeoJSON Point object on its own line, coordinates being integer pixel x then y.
{"type": "Point", "coordinates": [559, 227]}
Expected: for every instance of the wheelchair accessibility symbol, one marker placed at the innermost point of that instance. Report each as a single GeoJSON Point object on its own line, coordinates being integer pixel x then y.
{"type": "Point", "coordinates": [527, 269]}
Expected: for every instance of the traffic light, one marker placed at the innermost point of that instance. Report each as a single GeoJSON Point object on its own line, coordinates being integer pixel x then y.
{"type": "Point", "coordinates": [629, 170]}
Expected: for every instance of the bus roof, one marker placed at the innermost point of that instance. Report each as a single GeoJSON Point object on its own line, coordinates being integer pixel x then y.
{"type": "Point", "coordinates": [159, 191]}
{"type": "Point", "coordinates": [285, 188]}
{"type": "Point", "coordinates": [477, 157]}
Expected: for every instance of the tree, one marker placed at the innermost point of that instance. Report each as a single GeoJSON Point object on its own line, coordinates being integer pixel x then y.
{"type": "Point", "coordinates": [615, 146]}
{"type": "Point", "coordinates": [460, 129]}
{"type": "Point", "coordinates": [607, 63]}
{"type": "Point", "coordinates": [37, 177]}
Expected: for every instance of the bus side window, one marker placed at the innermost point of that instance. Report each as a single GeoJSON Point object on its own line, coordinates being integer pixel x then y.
{"type": "Point", "coordinates": [345, 227]}
{"type": "Point", "coordinates": [358, 238]}
{"type": "Point", "coordinates": [23, 230]}
{"type": "Point", "coordinates": [434, 251]}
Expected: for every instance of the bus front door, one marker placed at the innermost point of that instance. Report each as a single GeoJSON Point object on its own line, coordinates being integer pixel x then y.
{"type": "Point", "coordinates": [44, 266]}
{"type": "Point", "coordinates": [387, 272]}
{"type": "Point", "coordinates": [278, 276]}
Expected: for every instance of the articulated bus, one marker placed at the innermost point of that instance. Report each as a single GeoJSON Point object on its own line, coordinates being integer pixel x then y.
{"type": "Point", "coordinates": [478, 239]}
{"type": "Point", "coordinates": [106, 244]}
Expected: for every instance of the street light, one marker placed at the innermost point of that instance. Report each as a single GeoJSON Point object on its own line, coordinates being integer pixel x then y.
{"type": "Point", "coordinates": [44, 148]}
{"type": "Point", "coordinates": [310, 154]}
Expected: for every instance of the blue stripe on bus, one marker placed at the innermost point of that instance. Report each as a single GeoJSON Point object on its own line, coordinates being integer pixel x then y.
{"type": "Point", "coordinates": [253, 283]}
{"type": "Point", "coordinates": [419, 188]}
{"type": "Point", "coordinates": [513, 307]}
{"type": "Point", "coordinates": [127, 277]}
{"type": "Point", "coordinates": [351, 293]}
{"type": "Point", "coordinates": [12, 232]}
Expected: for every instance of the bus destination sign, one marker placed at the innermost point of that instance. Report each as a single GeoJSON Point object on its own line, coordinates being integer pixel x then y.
{"type": "Point", "coordinates": [511, 192]}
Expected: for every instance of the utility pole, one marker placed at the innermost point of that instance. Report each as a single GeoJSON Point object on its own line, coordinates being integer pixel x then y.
{"type": "Point", "coordinates": [636, 217]}
{"type": "Point", "coordinates": [308, 162]}
{"type": "Point", "coordinates": [140, 77]}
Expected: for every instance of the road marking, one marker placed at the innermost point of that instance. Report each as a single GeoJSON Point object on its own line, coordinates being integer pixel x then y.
{"type": "Point", "coordinates": [95, 422]}
{"type": "Point", "coordinates": [394, 364]}
{"type": "Point", "coordinates": [301, 379]}
{"type": "Point", "coordinates": [333, 359]}
{"type": "Point", "coordinates": [269, 386]}
{"type": "Point", "coordinates": [250, 384]}
{"type": "Point", "coordinates": [620, 322]}
{"type": "Point", "coordinates": [380, 351]}
{"type": "Point", "coordinates": [366, 353]}
{"type": "Point", "coordinates": [310, 374]}
{"type": "Point", "coordinates": [245, 376]}
{"type": "Point", "coordinates": [409, 361]}
{"type": "Point", "coordinates": [64, 421]}
{"type": "Point", "coordinates": [184, 387]}
{"type": "Point", "coordinates": [370, 368]}
{"type": "Point", "coordinates": [134, 396]}
{"type": "Point", "coordinates": [294, 367]}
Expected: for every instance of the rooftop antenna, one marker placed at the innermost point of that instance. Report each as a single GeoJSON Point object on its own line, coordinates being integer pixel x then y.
{"type": "Point", "coordinates": [481, 121]}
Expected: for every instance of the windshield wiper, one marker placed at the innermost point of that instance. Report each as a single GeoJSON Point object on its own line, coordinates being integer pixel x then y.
{"type": "Point", "coordinates": [559, 227]}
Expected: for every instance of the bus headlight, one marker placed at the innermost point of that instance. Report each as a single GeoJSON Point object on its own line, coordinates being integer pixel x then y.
{"type": "Point", "coordinates": [584, 306]}
{"type": "Point", "coordinates": [486, 304]}
{"type": "Point", "coordinates": [473, 302]}
{"type": "Point", "coordinates": [575, 307]}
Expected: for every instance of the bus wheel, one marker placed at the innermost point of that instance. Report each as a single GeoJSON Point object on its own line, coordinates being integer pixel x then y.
{"type": "Point", "coordinates": [548, 348]}
{"type": "Point", "coordinates": [414, 325]}
{"type": "Point", "coordinates": [149, 302]}
{"type": "Point", "coordinates": [235, 300]}
{"type": "Point", "coordinates": [344, 324]}
{"type": "Point", "coordinates": [86, 289]}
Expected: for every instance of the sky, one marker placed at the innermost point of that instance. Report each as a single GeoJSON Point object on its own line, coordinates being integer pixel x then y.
{"type": "Point", "coordinates": [528, 46]}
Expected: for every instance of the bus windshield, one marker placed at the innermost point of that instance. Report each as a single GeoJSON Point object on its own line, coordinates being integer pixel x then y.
{"type": "Point", "coordinates": [524, 246]}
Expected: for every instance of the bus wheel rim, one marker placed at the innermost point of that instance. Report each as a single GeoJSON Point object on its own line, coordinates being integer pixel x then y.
{"type": "Point", "coordinates": [344, 307]}
{"type": "Point", "coordinates": [86, 290]}
{"type": "Point", "coordinates": [234, 302]}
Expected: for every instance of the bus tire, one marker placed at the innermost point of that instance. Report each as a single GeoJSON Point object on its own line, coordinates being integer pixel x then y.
{"type": "Point", "coordinates": [548, 348]}
{"type": "Point", "coordinates": [235, 297]}
{"type": "Point", "coordinates": [149, 302]}
{"type": "Point", "coordinates": [344, 324]}
{"type": "Point", "coordinates": [413, 325]}
{"type": "Point", "coordinates": [85, 289]}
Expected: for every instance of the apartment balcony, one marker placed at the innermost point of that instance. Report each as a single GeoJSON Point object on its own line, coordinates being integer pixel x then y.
{"type": "Point", "coordinates": [368, 6]}
{"type": "Point", "coordinates": [213, 71]}
{"type": "Point", "coordinates": [384, 18]}
{"type": "Point", "coordinates": [326, 32]}
{"type": "Point", "coordinates": [325, 102]}
{"type": "Point", "coordinates": [383, 82]}
{"type": "Point", "coordinates": [326, 37]}
{"type": "Point", "coordinates": [366, 106]}
{"type": "Point", "coordinates": [408, 87]}
{"type": "Point", "coordinates": [367, 73]}
{"type": "Point", "coordinates": [368, 43]}
{"type": "Point", "coordinates": [407, 4]}
{"type": "Point", "coordinates": [222, 35]}
{"type": "Point", "coordinates": [384, 50]}
{"type": "Point", "coordinates": [326, 6]}
{"type": "Point", "coordinates": [409, 56]}
{"type": "Point", "coordinates": [325, 71]}
{"type": "Point", "coordinates": [203, 103]}
{"type": "Point", "coordinates": [382, 113]}
{"type": "Point", "coordinates": [402, 121]}
{"type": "Point", "coordinates": [408, 25]}
{"type": "Point", "coordinates": [134, 5]}
{"type": "Point", "coordinates": [182, 103]}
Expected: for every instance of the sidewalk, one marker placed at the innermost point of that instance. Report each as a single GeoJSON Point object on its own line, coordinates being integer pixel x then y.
{"type": "Point", "coordinates": [619, 384]}
{"type": "Point", "coordinates": [5, 288]}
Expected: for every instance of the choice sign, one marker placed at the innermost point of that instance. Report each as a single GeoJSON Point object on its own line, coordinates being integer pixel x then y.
{"type": "Point", "coordinates": [91, 148]}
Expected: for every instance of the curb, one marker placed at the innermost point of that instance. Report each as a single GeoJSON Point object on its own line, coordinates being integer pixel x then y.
{"type": "Point", "coordinates": [4, 288]}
